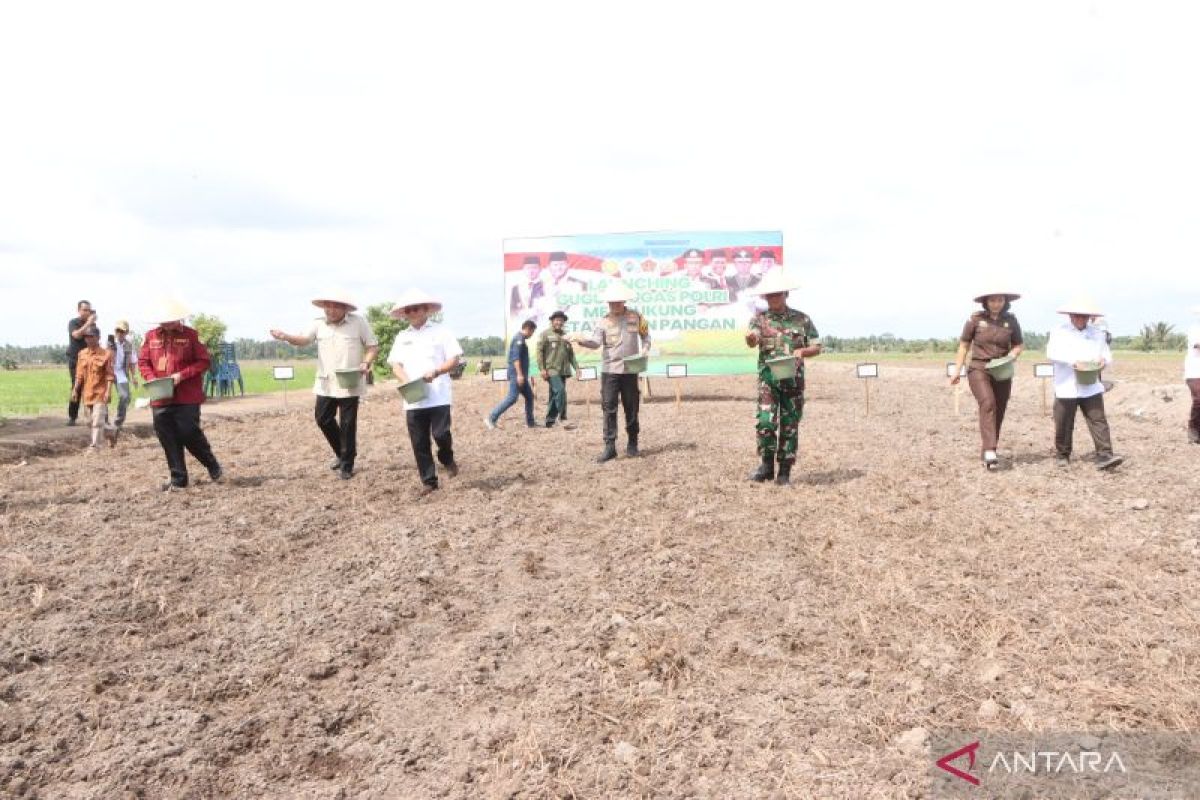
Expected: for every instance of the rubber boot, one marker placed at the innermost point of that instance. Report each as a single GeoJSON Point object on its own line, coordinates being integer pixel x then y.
{"type": "Point", "coordinates": [610, 452]}
{"type": "Point", "coordinates": [785, 475]}
{"type": "Point", "coordinates": [765, 471]}
{"type": "Point", "coordinates": [631, 449]}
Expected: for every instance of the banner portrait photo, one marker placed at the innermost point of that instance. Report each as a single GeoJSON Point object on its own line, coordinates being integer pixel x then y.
{"type": "Point", "coordinates": [695, 289]}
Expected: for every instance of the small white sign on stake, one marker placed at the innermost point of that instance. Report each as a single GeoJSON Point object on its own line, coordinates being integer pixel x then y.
{"type": "Point", "coordinates": [676, 370]}
{"type": "Point", "coordinates": [284, 374]}
{"type": "Point", "coordinates": [499, 375]}
{"type": "Point", "coordinates": [1043, 370]}
{"type": "Point", "coordinates": [867, 371]}
{"type": "Point", "coordinates": [962, 373]}
{"type": "Point", "coordinates": [587, 373]}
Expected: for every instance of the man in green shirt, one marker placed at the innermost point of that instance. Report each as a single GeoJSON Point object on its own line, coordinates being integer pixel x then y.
{"type": "Point", "coordinates": [556, 362]}
{"type": "Point", "coordinates": [780, 331]}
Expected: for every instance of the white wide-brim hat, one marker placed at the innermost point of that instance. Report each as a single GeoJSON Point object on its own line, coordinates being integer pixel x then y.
{"type": "Point", "coordinates": [775, 282]}
{"type": "Point", "coordinates": [1081, 304]}
{"type": "Point", "coordinates": [340, 296]}
{"type": "Point", "coordinates": [1008, 296]}
{"type": "Point", "coordinates": [617, 293]}
{"type": "Point", "coordinates": [167, 309]}
{"type": "Point", "coordinates": [415, 297]}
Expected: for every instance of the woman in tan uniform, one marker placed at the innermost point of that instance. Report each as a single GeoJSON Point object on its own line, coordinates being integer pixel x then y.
{"type": "Point", "coordinates": [989, 334]}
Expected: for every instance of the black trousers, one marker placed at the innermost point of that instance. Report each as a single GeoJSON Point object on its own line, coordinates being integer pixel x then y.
{"type": "Point", "coordinates": [425, 424]}
{"type": "Point", "coordinates": [72, 405]}
{"type": "Point", "coordinates": [337, 417]}
{"type": "Point", "coordinates": [1093, 415]}
{"type": "Point", "coordinates": [626, 388]}
{"type": "Point", "coordinates": [178, 428]}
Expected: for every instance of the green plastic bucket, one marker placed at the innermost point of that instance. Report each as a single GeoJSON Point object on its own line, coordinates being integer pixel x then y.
{"type": "Point", "coordinates": [1089, 374]}
{"type": "Point", "coordinates": [782, 367]}
{"type": "Point", "coordinates": [160, 389]}
{"type": "Point", "coordinates": [635, 364]}
{"type": "Point", "coordinates": [1002, 368]}
{"type": "Point", "coordinates": [415, 391]}
{"type": "Point", "coordinates": [348, 378]}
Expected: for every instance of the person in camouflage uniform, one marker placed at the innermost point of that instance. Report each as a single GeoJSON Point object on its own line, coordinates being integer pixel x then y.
{"type": "Point", "coordinates": [779, 331]}
{"type": "Point", "coordinates": [556, 361]}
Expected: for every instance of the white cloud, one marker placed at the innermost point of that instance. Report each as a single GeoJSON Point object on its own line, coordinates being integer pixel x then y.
{"type": "Point", "coordinates": [250, 154]}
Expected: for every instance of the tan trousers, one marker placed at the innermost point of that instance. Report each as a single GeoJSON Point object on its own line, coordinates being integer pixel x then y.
{"type": "Point", "coordinates": [99, 412]}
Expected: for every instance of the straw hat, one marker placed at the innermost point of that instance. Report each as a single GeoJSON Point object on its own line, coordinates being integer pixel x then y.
{"type": "Point", "coordinates": [1081, 304]}
{"type": "Point", "coordinates": [339, 296]}
{"type": "Point", "coordinates": [1008, 296]}
{"type": "Point", "coordinates": [168, 309]}
{"type": "Point", "coordinates": [775, 282]}
{"type": "Point", "coordinates": [415, 297]}
{"type": "Point", "coordinates": [122, 325]}
{"type": "Point", "coordinates": [617, 292]}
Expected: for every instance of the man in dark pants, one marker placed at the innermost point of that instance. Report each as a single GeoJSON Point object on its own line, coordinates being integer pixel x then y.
{"type": "Point", "coordinates": [1079, 351]}
{"type": "Point", "coordinates": [621, 334]}
{"type": "Point", "coordinates": [75, 343]}
{"type": "Point", "coordinates": [556, 362]}
{"type": "Point", "coordinates": [519, 383]}
{"type": "Point", "coordinates": [346, 348]}
{"type": "Point", "coordinates": [174, 350]}
{"type": "Point", "coordinates": [427, 351]}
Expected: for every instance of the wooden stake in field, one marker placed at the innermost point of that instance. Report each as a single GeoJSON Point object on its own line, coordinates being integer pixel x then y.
{"type": "Point", "coordinates": [958, 387]}
{"type": "Point", "coordinates": [1045, 371]}
{"type": "Point", "coordinates": [283, 375]}
{"type": "Point", "coordinates": [676, 371]}
{"type": "Point", "coordinates": [587, 374]}
{"type": "Point", "coordinates": [867, 372]}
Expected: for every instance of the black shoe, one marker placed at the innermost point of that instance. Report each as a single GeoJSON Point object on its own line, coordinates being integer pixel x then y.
{"type": "Point", "coordinates": [452, 469]}
{"type": "Point", "coordinates": [217, 475]}
{"type": "Point", "coordinates": [71, 423]}
{"type": "Point", "coordinates": [427, 490]}
{"type": "Point", "coordinates": [346, 472]}
{"type": "Point", "coordinates": [631, 449]}
{"type": "Point", "coordinates": [765, 471]}
{"type": "Point", "coordinates": [172, 486]}
{"type": "Point", "coordinates": [336, 464]}
{"type": "Point", "coordinates": [785, 475]}
{"type": "Point", "coordinates": [1193, 436]}
{"type": "Point", "coordinates": [610, 452]}
{"type": "Point", "coordinates": [1109, 461]}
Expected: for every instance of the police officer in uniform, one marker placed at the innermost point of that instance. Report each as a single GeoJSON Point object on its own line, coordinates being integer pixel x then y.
{"type": "Point", "coordinates": [779, 331]}
{"type": "Point", "coordinates": [622, 333]}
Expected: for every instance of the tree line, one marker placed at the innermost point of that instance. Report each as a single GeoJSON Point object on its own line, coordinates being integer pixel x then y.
{"type": "Point", "coordinates": [1152, 337]}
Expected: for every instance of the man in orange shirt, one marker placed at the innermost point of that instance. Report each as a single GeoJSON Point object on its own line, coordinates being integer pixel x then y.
{"type": "Point", "coordinates": [94, 380]}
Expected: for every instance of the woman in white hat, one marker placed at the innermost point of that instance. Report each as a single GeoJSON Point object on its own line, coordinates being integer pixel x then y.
{"type": "Point", "coordinates": [1191, 374]}
{"type": "Point", "coordinates": [345, 344]}
{"type": "Point", "coordinates": [426, 351]}
{"type": "Point", "coordinates": [989, 334]}
{"type": "Point", "coordinates": [622, 333]}
{"type": "Point", "coordinates": [780, 331]}
{"type": "Point", "coordinates": [1079, 352]}
{"type": "Point", "coordinates": [173, 350]}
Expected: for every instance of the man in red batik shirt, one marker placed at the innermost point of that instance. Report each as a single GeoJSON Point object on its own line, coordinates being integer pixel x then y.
{"type": "Point", "coordinates": [174, 350]}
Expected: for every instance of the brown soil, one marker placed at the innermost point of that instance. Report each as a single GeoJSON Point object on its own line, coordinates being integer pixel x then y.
{"type": "Point", "coordinates": [547, 627]}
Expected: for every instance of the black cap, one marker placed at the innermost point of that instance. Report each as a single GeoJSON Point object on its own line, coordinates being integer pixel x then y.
{"type": "Point", "coordinates": [766, 253]}
{"type": "Point", "coordinates": [718, 253]}
{"type": "Point", "coordinates": [743, 253]}
{"type": "Point", "coordinates": [693, 253]}
{"type": "Point", "coordinates": [559, 315]}
{"type": "Point", "coordinates": [558, 255]}
{"type": "Point", "coordinates": [533, 260]}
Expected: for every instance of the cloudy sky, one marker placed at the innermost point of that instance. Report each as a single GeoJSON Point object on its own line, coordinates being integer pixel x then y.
{"type": "Point", "coordinates": [246, 155]}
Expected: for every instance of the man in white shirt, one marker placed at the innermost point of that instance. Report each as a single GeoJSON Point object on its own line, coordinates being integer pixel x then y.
{"type": "Point", "coordinates": [345, 344]}
{"type": "Point", "coordinates": [427, 351]}
{"type": "Point", "coordinates": [1191, 374]}
{"type": "Point", "coordinates": [1079, 351]}
{"type": "Point", "coordinates": [124, 367]}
